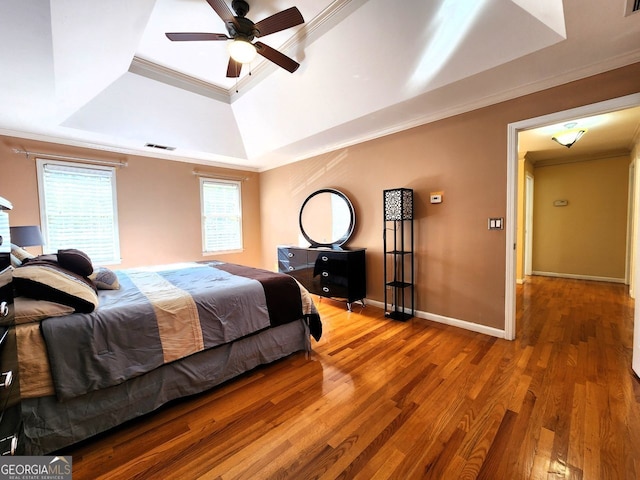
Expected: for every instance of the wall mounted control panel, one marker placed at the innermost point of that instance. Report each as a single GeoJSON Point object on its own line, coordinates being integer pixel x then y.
{"type": "Point", "coordinates": [435, 197]}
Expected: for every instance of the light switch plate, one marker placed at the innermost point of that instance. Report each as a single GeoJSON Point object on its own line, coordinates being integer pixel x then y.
{"type": "Point", "coordinates": [435, 198]}
{"type": "Point", "coordinates": [496, 223]}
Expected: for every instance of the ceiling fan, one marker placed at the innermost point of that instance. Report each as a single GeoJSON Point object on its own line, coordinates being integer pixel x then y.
{"type": "Point", "coordinates": [242, 31]}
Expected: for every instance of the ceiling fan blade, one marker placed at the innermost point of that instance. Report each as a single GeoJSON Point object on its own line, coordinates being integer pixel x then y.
{"type": "Point", "coordinates": [280, 21]}
{"type": "Point", "coordinates": [276, 57]}
{"type": "Point", "coordinates": [186, 37]}
{"type": "Point", "coordinates": [233, 69]}
{"type": "Point", "coordinates": [223, 11]}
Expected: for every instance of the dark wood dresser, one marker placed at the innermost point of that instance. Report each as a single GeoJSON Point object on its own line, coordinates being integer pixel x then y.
{"type": "Point", "coordinates": [332, 273]}
{"type": "Point", "coordinates": [8, 426]}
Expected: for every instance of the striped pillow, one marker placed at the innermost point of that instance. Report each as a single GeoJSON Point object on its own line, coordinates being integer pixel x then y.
{"type": "Point", "coordinates": [19, 255]}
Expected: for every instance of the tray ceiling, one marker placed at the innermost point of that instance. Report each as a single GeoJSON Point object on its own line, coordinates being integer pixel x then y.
{"type": "Point", "coordinates": [102, 74]}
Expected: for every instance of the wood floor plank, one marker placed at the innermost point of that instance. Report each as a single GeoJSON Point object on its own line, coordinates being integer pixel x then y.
{"type": "Point", "coordinates": [542, 459]}
{"type": "Point", "coordinates": [380, 399]}
{"type": "Point", "coordinates": [575, 453]}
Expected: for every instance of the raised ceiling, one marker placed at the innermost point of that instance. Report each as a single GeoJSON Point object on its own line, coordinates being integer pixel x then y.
{"type": "Point", "coordinates": [102, 74]}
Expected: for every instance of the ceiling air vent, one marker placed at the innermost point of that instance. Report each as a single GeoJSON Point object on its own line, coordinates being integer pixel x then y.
{"type": "Point", "coordinates": [163, 147]}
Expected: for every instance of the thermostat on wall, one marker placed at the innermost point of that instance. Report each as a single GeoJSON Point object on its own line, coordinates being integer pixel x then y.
{"type": "Point", "coordinates": [561, 203]}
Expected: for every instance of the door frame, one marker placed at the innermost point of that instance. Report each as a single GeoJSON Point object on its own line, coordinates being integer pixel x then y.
{"type": "Point", "coordinates": [632, 200]}
{"type": "Point", "coordinates": [528, 224]}
{"type": "Point", "coordinates": [513, 129]}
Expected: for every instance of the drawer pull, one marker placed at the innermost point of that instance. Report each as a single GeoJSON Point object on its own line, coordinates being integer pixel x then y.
{"type": "Point", "coordinates": [7, 378]}
{"type": "Point", "coordinates": [4, 309]}
{"type": "Point", "coordinates": [12, 446]}
{"type": "Point", "coordinates": [324, 258]}
{"type": "Point", "coordinates": [290, 254]}
{"type": "Point", "coordinates": [325, 289]}
{"type": "Point", "coordinates": [325, 274]}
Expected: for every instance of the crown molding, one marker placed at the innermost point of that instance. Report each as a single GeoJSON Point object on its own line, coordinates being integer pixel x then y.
{"type": "Point", "coordinates": [168, 76]}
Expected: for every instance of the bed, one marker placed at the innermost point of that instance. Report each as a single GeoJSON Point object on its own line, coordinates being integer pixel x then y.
{"type": "Point", "coordinates": [89, 359]}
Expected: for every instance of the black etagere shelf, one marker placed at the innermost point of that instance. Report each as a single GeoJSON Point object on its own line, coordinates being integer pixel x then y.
{"type": "Point", "coordinates": [399, 291]}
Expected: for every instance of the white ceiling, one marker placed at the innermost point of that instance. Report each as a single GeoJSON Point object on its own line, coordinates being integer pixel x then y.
{"type": "Point", "coordinates": [102, 74]}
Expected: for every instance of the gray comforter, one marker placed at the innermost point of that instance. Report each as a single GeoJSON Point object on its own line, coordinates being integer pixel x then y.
{"type": "Point", "coordinates": [156, 317]}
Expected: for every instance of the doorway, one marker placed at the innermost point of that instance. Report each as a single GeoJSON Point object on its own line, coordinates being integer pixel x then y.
{"type": "Point", "coordinates": [622, 103]}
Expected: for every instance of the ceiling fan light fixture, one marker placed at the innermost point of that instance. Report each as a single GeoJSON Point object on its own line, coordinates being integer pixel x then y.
{"type": "Point", "coordinates": [566, 138]}
{"type": "Point", "coordinates": [242, 51]}
{"type": "Point", "coordinates": [241, 31]}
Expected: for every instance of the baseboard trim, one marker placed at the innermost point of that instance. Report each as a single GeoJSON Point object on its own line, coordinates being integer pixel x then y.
{"type": "Point", "coordinates": [454, 322]}
{"type": "Point", "coordinates": [592, 278]}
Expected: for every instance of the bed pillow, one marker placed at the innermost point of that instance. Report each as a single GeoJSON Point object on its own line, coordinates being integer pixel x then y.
{"type": "Point", "coordinates": [44, 279]}
{"type": "Point", "coordinates": [14, 261]}
{"type": "Point", "coordinates": [32, 310]}
{"type": "Point", "coordinates": [19, 255]}
{"type": "Point", "coordinates": [76, 261]}
{"type": "Point", "coordinates": [104, 279]}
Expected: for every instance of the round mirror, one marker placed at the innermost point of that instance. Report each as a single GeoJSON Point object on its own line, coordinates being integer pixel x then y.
{"type": "Point", "coordinates": [327, 218]}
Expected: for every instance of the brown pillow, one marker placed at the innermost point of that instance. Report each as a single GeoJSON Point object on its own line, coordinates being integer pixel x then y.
{"type": "Point", "coordinates": [76, 261]}
{"type": "Point", "coordinates": [32, 310]}
{"type": "Point", "coordinates": [47, 280]}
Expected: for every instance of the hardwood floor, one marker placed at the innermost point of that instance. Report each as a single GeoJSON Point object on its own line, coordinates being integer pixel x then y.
{"type": "Point", "coordinates": [379, 399]}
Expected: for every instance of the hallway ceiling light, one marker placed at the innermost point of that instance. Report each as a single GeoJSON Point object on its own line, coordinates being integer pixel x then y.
{"type": "Point", "coordinates": [571, 135]}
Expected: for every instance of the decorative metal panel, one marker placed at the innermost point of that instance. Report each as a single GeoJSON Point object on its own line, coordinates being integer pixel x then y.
{"type": "Point", "coordinates": [398, 204]}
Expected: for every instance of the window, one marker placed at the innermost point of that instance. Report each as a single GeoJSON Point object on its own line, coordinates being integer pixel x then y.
{"type": "Point", "coordinates": [221, 215]}
{"type": "Point", "coordinates": [78, 209]}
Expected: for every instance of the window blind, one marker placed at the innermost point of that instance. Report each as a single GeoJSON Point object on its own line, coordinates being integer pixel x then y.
{"type": "Point", "coordinates": [221, 215]}
{"type": "Point", "coordinates": [78, 207]}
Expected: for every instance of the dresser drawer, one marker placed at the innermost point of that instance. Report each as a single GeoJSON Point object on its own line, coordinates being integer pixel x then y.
{"type": "Point", "coordinates": [290, 259]}
{"type": "Point", "coordinates": [336, 264]}
{"type": "Point", "coordinates": [328, 277]}
{"type": "Point", "coordinates": [294, 262]}
{"type": "Point", "coordinates": [338, 291]}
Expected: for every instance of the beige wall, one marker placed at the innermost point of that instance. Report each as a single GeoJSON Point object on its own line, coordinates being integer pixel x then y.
{"type": "Point", "coordinates": [428, 159]}
{"type": "Point", "coordinates": [588, 237]}
{"type": "Point", "coordinates": [460, 265]}
{"type": "Point", "coordinates": [158, 203]}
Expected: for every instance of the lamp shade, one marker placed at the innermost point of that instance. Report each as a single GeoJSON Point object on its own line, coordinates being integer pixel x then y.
{"type": "Point", "coordinates": [27, 236]}
{"type": "Point", "coordinates": [398, 204]}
